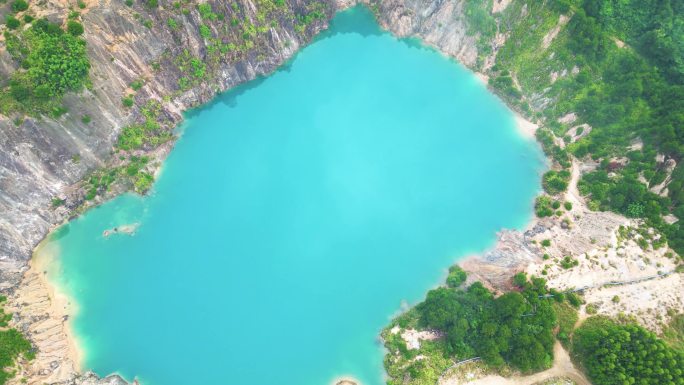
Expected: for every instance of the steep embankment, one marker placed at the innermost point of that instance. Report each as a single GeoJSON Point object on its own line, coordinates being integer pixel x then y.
{"type": "Point", "coordinates": [43, 158]}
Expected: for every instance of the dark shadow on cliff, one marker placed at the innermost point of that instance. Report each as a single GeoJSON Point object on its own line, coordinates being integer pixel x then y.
{"type": "Point", "coordinates": [356, 20]}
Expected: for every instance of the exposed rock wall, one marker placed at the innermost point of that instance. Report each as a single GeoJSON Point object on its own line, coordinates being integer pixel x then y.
{"type": "Point", "coordinates": [44, 158]}
{"type": "Point", "coordinates": [439, 23]}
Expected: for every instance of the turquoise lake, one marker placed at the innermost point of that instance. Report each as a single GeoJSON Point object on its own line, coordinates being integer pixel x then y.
{"type": "Point", "coordinates": [296, 215]}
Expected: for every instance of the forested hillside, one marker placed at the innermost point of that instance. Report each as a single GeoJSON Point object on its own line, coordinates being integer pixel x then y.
{"type": "Point", "coordinates": [607, 78]}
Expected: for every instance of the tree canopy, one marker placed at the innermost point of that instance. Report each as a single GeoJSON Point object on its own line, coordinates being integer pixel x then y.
{"type": "Point", "coordinates": [515, 328]}
{"type": "Point", "coordinates": [615, 354]}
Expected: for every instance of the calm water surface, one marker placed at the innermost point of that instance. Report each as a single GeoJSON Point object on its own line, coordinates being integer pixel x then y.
{"type": "Point", "coordinates": [295, 216]}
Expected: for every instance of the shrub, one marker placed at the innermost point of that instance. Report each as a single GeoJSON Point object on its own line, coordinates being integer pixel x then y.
{"type": "Point", "coordinates": [568, 206]}
{"type": "Point", "coordinates": [12, 22]}
{"type": "Point", "coordinates": [74, 28]}
{"type": "Point", "coordinates": [19, 6]}
{"type": "Point", "coordinates": [143, 182]}
{"type": "Point", "coordinates": [12, 346]}
{"type": "Point", "coordinates": [204, 31]}
{"type": "Point", "coordinates": [569, 262]}
{"type": "Point", "coordinates": [127, 101]}
{"type": "Point", "coordinates": [546, 242]}
{"type": "Point", "coordinates": [28, 19]}
{"type": "Point", "coordinates": [206, 12]}
{"type": "Point", "coordinates": [542, 206]}
{"type": "Point", "coordinates": [136, 85]}
{"type": "Point", "coordinates": [555, 182]}
{"type": "Point", "coordinates": [573, 299]}
{"type": "Point", "coordinates": [520, 279]}
{"type": "Point", "coordinates": [85, 119]}
{"type": "Point", "coordinates": [456, 276]}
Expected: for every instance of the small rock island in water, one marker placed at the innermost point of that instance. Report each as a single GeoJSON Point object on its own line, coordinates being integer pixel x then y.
{"type": "Point", "coordinates": [518, 161]}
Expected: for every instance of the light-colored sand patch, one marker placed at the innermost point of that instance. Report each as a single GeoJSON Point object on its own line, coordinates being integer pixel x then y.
{"type": "Point", "coordinates": [413, 337]}
{"type": "Point", "coordinates": [43, 313]}
{"type": "Point", "coordinates": [647, 301]}
{"type": "Point", "coordinates": [568, 118]}
{"type": "Point", "coordinates": [619, 275]}
{"type": "Point", "coordinates": [580, 131]}
{"type": "Point", "coordinates": [525, 127]}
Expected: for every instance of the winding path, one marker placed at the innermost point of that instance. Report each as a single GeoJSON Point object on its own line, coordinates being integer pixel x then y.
{"type": "Point", "coordinates": [562, 367]}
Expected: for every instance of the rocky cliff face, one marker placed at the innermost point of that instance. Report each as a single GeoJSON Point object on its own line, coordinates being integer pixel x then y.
{"type": "Point", "coordinates": [43, 158]}
{"type": "Point", "coordinates": [441, 24]}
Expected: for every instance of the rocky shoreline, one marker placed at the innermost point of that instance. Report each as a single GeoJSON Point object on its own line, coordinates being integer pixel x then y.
{"type": "Point", "coordinates": [37, 158]}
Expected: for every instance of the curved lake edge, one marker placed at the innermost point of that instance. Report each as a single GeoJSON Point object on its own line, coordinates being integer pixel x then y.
{"type": "Point", "coordinates": [525, 129]}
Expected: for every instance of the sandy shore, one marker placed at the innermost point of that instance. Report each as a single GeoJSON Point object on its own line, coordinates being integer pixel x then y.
{"type": "Point", "coordinates": [46, 262]}
{"type": "Point", "coordinates": [44, 314]}
{"type": "Point", "coordinates": [525, 127]}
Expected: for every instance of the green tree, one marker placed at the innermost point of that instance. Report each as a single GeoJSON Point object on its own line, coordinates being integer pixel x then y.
{"type": "Point", "coordinates": [12, 22]}
{"type": "Point", "coordinates": [456, 276]}
{"type": "Point", "coordinates": [19, 5]}
{"type": "Point", "coordinates": [75, 28]}
{"type": "Point", "coordinates": [615, 354]}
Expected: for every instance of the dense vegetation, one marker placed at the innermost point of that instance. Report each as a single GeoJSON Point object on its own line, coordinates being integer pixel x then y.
{"type": "Point", "coordinates": [615, 354]}
{"type": "Point", "coordinates": [12, 346]}
{"type": "Point", "coordinates": [513, 330]}
{"type": "Point", "coordinates": [50, 61]}
{"type": "Point", "coordinates": [626, 94]}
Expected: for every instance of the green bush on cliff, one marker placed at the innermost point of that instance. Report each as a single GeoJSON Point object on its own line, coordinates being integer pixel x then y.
{"type": "Point", "coordinates": [51, 63]}
{"type": "Point", "coordinates": [480, 23]}
{"type": "Point", "coordinates": [75, 28]}
{"type": "Point", "coordinates": [12, 22]}
{"type": "Point", "coordinates": [19, 6]}
{"type": "Point", "coordinates": [12, 346]}
{"type": "Point", "coordinates": [456, 276]}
